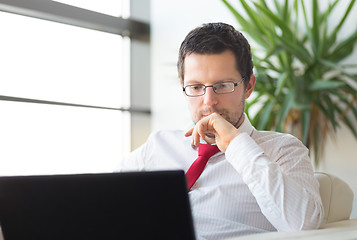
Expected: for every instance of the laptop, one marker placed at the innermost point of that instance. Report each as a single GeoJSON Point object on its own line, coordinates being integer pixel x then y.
{"type": "Point", "coordinates": [131, 205]}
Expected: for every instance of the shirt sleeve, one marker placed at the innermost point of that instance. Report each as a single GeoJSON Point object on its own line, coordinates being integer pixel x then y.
{"type": "Point", "coordinates": [283, 185]}
{"type": "Point", "coordinates": [136, 160]}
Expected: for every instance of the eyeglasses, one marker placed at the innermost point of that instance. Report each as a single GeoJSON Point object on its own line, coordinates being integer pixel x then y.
{"type": "Point", "coordinates": [197, 90]}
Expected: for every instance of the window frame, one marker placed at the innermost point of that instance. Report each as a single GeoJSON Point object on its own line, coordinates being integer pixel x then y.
{"type": "Point", "coordinates": [67, 14]}
{"type": "Point", "coordinates": [137, 30]}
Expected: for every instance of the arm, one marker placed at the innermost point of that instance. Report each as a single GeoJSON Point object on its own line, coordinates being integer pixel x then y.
{"type": "Point", "coordinates": [135, 161]}
{"type": "Point", "coordinates": [284, 187]}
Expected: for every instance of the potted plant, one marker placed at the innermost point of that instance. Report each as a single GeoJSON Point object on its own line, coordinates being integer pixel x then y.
{"type": "Point", "coordinates": [303, 87]}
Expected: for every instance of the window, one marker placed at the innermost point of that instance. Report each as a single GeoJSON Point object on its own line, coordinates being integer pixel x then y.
{"type": "Point", "coordinates": [116, 8]}
{"type": "Point", "coordinates": [59, 62]}
{"type": "Point", "coordinates": [65, 89]}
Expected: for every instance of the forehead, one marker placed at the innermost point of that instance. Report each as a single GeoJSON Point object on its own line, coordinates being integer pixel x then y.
{"type": "Point", "coordinates": [210, 68]}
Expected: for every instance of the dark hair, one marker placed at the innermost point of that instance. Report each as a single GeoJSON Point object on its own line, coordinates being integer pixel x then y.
{"type": "Point", "coordinates": [215, 38]}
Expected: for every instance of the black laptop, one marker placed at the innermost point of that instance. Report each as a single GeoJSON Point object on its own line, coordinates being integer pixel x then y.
{"type": "Point", "coordinates": [132, 205]}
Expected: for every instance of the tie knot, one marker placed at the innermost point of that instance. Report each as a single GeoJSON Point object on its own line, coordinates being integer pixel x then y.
{"type": "Point", "coordinates": [207, 150]}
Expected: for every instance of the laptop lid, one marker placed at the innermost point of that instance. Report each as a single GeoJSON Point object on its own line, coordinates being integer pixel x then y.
{"type": "Point", "coordinates": [132, 205]}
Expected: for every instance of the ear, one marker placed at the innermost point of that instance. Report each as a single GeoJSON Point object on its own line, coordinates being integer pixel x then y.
{"type": "Point", "coordinates": [250, 86]}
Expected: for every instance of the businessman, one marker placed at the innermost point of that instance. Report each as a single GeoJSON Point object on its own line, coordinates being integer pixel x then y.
{"type": "Point", "coordinates": [252, 181]}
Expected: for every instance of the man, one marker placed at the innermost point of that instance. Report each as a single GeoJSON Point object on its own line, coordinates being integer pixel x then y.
{"type": "Point", "coordinates": [259, 181]}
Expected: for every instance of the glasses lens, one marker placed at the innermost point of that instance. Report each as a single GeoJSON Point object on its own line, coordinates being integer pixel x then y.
{"type": "Point", "coordinates": [195, 90]}
{"type": "Point", "coordinates": [225, 87]}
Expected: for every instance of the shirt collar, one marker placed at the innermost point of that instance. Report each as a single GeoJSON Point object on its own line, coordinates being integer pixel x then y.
{"type": "Point", "coordinates": [246, 126]}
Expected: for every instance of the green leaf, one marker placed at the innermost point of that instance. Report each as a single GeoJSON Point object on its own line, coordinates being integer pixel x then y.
{"type": "Point", "coordinates": [239, 17]}
{"type": "Point", "coordinates": [326, 44]}
{"type": "Point", "coordinates": [343, 98]}
{"type": "Point", "coordinates": [281, 83]}
{"type": "Point", "coordinates": [331, 108]}
{"type": "Point", "coordinates": [347, 122]}
{"type": "Point", "coordinates": [305, 58]}
{"type": "Point", "coordinates": [338, 27]}
{"type": "Point", "coordinates": [344, 48]}
{"type": "Point", "coordinates": [253, 16]}
{"type": "Point", "coordinates": [324, 84]}
{"type": "Point", "coordinates": [285, 108]}
{"type": "Point", "coordinates": [266, 114]}
{"type": "Point", "coordinates": [285, 29]}
{"type": "Point", "coordinates": [340, 68]}
{"type": "Point", "coordinates": [297, 49]}
{"type": "Point", "coordinates": [315, 26]}
{"type": "Point", "coordinates": [246, 25]}
{"type": "Point", "coordinates": [308, 30]}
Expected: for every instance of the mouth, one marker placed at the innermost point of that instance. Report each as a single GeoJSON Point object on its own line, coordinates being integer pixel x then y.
{"type": "Point", "coordinates": [206, 115]}
{"type": "Point", "coordinates": [203, 113]}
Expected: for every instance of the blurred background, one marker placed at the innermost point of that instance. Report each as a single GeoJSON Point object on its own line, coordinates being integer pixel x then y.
{"type": "Point", "coordinates": [83, 83]}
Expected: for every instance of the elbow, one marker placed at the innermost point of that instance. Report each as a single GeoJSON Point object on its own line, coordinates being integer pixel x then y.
{"type": "Point", "coordinates": [311, 218]}
{"type": "Point", "coordinates": [314, 220]}
{"type": "Point", "coordinates": [306, 218]}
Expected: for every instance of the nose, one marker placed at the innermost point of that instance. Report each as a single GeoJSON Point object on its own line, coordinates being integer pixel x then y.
{"type": "Point", "coordinates": [210, 97]}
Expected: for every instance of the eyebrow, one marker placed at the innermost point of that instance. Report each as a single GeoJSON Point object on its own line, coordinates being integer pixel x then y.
{"type": "Point", "coordinates": [195, 82]}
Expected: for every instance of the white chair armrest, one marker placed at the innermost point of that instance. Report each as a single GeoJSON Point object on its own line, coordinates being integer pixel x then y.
{"type": "Point", "coordinates": [336, 196]}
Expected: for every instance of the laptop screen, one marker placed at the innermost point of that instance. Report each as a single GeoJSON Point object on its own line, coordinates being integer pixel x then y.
{"type": "Point", "coordinates": [132, 205]}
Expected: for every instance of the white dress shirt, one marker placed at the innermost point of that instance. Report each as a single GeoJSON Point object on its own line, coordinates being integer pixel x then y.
{"type": "Point", "coordinates": [263, 182]}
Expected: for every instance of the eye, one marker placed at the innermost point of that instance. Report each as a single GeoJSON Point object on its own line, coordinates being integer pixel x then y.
{"type": "Point", "coordinates": [222, 85]}
{"type": "Point", "coordinates": [196, 87]}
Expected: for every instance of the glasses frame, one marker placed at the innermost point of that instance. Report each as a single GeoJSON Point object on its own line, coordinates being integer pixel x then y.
{"type": "Point", "coordinates": [206, 86]}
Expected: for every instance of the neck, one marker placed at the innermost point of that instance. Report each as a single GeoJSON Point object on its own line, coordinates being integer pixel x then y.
{"type": "Point", "coordinates": [239, 121]}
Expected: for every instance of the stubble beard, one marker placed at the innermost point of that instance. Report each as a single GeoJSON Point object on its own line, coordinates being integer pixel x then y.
{"type": "Point", "coordinates": [233, 118]}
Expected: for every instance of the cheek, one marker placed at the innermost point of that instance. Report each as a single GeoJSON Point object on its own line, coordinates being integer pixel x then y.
{"type": "Point", "coordinates": [233, 100]}
{"type": "Point", "coordinates": [239, 96]}
{"type": "Point", "coordinates": [234, 105]}
{"type": "Point", "coordinates": [194, 103]}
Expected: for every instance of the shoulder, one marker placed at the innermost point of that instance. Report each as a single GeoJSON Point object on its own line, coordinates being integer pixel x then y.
{"type": "Point", "coordinates": [164, 137]}
{"type": "Point", "coordinates": [166, 134]}
{"type": "Point", "coordinates": [275, 138]}
{"type": "Point", "coordinates": [280, 145]}
{"type": "Point", "coordinates": [155, 152]}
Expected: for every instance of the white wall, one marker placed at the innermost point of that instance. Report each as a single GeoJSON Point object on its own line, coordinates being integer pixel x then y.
{"type": "Point", "coordinates": [340, 159]}
{"type": "Point", "coordinates": [171, 21]}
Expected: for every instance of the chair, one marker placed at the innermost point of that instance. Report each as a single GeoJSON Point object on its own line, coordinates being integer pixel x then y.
{"type": "Point", "coordinates": [336, 196]}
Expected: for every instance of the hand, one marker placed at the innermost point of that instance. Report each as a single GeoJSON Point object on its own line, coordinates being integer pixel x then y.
{"type": "Point", "coordinates": [213, 128]}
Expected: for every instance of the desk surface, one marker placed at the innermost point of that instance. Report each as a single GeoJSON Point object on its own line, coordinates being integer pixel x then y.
{"type": "Point", "coordinates": [341, 230]}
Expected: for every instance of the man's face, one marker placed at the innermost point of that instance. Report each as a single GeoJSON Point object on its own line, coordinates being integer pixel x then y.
{"type": "Point", "coordinates": [208, 69]}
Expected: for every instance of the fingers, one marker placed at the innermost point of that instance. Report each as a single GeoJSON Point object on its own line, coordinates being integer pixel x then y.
{"type": "Point", "coordinates": [189, 132]}
{"type": "Point", "coordinates": [202, 130]}
{"type": "Point", "coordinates": [196, 135]}
{"type": "Point", "coordinates": [213, 129]}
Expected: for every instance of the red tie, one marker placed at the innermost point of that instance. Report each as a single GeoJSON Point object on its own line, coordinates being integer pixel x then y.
{"type": "Point", "coordinates": [205, 151]}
